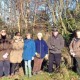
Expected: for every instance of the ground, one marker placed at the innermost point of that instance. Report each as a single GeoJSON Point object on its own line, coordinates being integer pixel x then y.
{"type": "Point", "coordinates": [63, 75]}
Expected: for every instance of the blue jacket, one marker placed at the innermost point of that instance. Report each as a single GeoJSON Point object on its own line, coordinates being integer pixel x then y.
{"type": "Point", "coordinates": [41, 47]}
{"type": "Point", "coordinates": [29, 49]}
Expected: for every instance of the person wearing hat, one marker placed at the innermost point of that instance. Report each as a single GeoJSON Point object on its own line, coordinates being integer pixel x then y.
{"type": "Point", "coordinates": [41, 52]}
{"type": "Point", "coordinates": [55, 44]}
{"type": "Point", "coordinates": [5, 48]}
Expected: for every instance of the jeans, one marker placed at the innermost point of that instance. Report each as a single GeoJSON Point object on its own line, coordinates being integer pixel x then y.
{"type": "Point", "coordinates": [4, 68]}
{"type": "Point", "coordinates": [28, 68]}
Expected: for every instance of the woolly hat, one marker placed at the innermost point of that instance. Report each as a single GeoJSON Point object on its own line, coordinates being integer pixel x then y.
{"type": "Point", "coordinates": [55, 29]}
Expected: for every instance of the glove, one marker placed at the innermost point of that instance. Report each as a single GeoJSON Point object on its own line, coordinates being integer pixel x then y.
{"type": "Point", "coordinates": [5, 55]}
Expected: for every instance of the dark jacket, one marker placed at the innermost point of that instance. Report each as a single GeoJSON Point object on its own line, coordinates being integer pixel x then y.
{"type": "Point", "coordinates": [5, 47]}
{"type": "Point", "coordinates": [29, 49]}
{"type": "Point", "coordinates": [55, 44]}
{"type": "Point", "coordinates": [41, 47]}
{"type": "Point", "coordinates": [75, 46]}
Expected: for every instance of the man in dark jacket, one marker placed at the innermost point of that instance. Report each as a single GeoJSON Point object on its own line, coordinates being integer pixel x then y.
{"type": "Point", "coordinates": [55, 44]}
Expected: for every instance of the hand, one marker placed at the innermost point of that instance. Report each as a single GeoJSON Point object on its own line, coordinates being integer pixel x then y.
{"type": "Point", "coordinates": [46, 57]}
{"type": "Point", "coordinates": [71, 51]}
{"type": "Point", "coordinates": [5, 55]}
{"type": "Point", "coordinates": [53, 47]}
{"type": "Point", "coordinates": [32, 58]}
{"type": "Point", "coordinates": [16, 40]}
{"type": "Point", "coordinates": [73, 54]}
{"type": "Point", "coordinates": [36, 53]}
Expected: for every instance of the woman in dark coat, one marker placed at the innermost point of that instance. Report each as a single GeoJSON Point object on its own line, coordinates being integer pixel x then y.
{"type": "Point", "coordinates": [5, 48]}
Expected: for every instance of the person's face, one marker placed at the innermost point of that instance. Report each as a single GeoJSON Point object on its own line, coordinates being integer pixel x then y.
{"type": "Point", "coordinates": [28, 36]}
{"type": "Point", "coordinates": [78, 34]}
{"type": "Point", "coordinates": [18, 34]}
{"type": "Point", "coordinates": [3, 32]}
{"type": "Point", "coordinates": [39, 37]}
{"type": "Point", "coordinates": [55, 33]}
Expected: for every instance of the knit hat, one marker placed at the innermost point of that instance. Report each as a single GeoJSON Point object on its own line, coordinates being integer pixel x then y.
{"type": "Point", "coordinates": [55, 29]}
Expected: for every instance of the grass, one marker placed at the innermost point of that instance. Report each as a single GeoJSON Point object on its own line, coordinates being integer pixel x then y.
{"type": "Point", "coordinates": [43, 76]}
{"type": "Point", "coordinates": [63, 75]}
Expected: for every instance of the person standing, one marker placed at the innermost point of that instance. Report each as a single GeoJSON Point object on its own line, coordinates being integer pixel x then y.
{"type": "Point", "coordinates": [5, 48]}
{"type": "Point", "coordinates": [28, 54]}
{"type": "Point", "coordinates": [16, 53]}
{"type": "Point", "coordinates": [55, 44]}
{"type": "Point", "coordinates": [75, 50]}
{"type": "Point", "coordinates": [41, 52]}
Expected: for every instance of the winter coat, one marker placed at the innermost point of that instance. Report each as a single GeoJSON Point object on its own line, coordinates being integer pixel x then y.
{"type": "Point", "coordinates": [17, 50]}
{"type": "Point", "coordinates": [5, 47]}
{"type": "Point", "coordinates": [29, 49]}
{"type": "Point", "coordinates": [55, 44]}
{"type": "Point", "coordinates": [75, 46]}
{"type": "Point", "coordinates": [41, 47]}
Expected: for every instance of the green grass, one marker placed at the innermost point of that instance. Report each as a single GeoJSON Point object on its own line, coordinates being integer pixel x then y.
{"type": "Point", "coordinates": [66, 75]}
{"type": "Point", "coordinates": [43, 76]}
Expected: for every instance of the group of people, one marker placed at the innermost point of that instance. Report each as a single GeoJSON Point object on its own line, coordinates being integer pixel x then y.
{"type": "Point", "coordinates": [14, 51]}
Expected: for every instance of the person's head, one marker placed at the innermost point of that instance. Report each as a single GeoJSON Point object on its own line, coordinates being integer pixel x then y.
{"type": "Point", "coordinates": [3, 32]}
{"type": "Point", "coordinates": [78, 33]}
{"type": "Point", "coordinates": [39, 35]}
{"type": "Point", "coordinates": [55, 31]}
{"type": "Point", "coordinates": [17, 34]}
{"type": "Point", "coordinates": [28, 35]}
